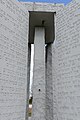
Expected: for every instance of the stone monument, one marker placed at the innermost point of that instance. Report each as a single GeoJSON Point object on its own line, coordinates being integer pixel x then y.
{"type": "Point", "coordinates": [54, 29]}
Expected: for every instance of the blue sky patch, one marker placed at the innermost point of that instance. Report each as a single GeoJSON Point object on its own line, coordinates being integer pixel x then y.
{"type": "Point", "coordinates": [48, 1]}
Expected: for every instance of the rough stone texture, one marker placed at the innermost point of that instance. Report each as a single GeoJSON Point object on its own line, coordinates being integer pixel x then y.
{"type": "Point", "coordinates": [66, 70]}
{"type": "Point", "coordinates": [39, 75]}
{"type": "Point", "coordinates": [13, 60]}
{"type": "Point", "coordinates": [49, 83]}
{"type": "Point", "coordinates": [14, 82]}
{"type": "Point", "coordinates": [48, 7]}
{"type": "Point", "coordinates": [14, 22]}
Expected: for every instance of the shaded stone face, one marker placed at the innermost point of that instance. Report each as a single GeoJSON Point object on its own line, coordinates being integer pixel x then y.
{"type": "Point", "coordinates": [49, 82]}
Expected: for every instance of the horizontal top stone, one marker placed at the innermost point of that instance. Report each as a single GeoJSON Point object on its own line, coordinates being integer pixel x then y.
{"type": "Point", "coordinates": [41, 19]}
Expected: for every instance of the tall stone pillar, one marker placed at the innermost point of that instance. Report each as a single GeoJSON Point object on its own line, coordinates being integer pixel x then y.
{"type": "Point", "coordinates": [38, 112]}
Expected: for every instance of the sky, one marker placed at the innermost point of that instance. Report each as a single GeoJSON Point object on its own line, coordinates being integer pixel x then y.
{"type": "Point", "coordinates": [31, 68]}
{"type": "Point", "coordinates": [49, 1]}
